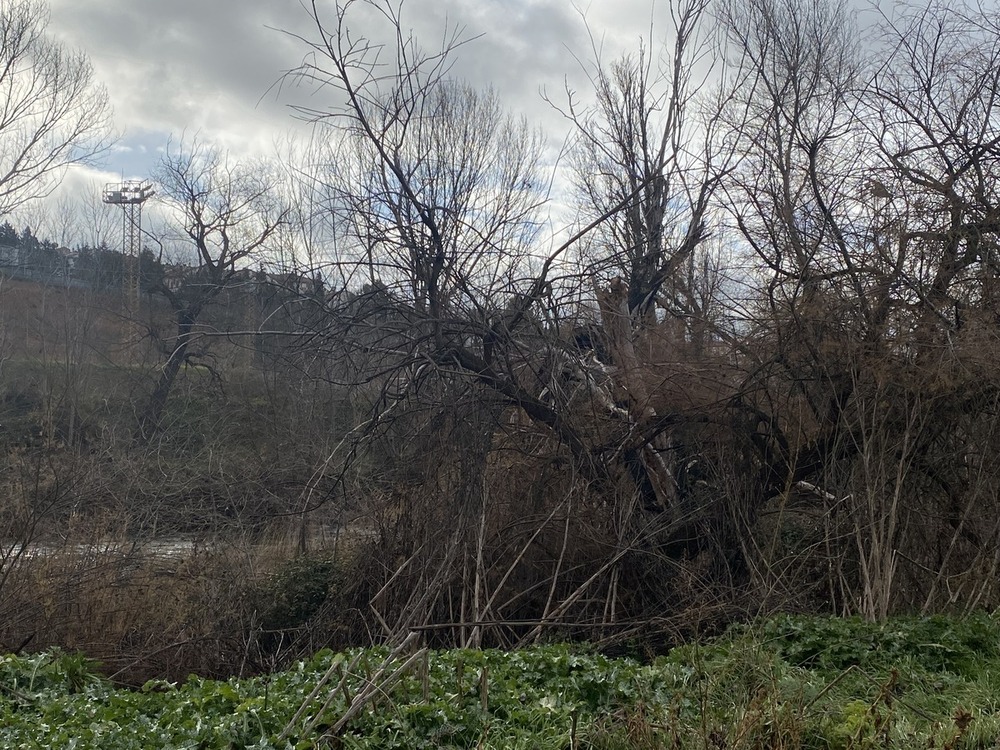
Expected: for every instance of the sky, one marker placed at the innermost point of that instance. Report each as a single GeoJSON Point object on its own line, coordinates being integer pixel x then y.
{"type": "Point", "coordinates": [207, 68]}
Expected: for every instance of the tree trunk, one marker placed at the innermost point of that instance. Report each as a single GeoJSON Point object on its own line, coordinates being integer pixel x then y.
{"type": "Point", "coordinates": [152, 415]}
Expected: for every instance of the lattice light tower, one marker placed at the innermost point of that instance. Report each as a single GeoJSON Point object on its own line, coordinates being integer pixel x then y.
{"type": "Point", "coordinates": [130, 195]}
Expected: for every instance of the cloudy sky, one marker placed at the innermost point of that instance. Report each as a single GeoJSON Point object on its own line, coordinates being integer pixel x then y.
{"type": "Point", "coordinates": [205, 67]}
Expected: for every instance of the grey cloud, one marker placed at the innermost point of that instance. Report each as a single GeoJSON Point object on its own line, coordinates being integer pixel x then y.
{"type": "Point", "coordinates": [204, 65]}
{"type": "Point", "coordinates": [168, 63]}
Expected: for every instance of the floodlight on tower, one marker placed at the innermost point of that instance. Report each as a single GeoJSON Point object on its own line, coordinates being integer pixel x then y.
{"type": "Point", "coordinates": [130, 195]}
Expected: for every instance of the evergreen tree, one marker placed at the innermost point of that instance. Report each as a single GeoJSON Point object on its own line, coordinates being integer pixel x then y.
{"type": "Point", "coordinates": [8, 235]}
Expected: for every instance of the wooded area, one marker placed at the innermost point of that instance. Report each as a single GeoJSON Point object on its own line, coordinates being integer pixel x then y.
{"type": "Point", "coordinates": [758, 372]}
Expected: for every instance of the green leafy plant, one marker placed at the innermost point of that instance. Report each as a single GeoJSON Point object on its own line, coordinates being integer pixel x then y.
{"type": "Point", "coordinates": [779, 685]}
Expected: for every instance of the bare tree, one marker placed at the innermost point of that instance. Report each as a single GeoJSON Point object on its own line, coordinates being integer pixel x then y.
{"type": "Point", "coordinates": [933, 118]}
{"type": "Point", "coordinates": [52, 112]}
{"type": "Point", "coordinates": [866, 190]}
{"type": "Point", "coordinates": [228, 213]}
{"type": "Point", "coordinates": [446, 216]}
{"type": "Point", "coordinates": [649, 141]}
{"type": "Point", "coordinates": [450, 317]}
{"type": "Point", "coordinates": [649, 153]}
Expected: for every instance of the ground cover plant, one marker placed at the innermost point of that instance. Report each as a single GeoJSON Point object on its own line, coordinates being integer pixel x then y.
{"type": "Point", "coordinates": [790, 682]}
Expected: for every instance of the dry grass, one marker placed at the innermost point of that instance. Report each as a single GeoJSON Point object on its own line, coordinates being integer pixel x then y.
{"type": "Point", "coordinates": [216, 609]}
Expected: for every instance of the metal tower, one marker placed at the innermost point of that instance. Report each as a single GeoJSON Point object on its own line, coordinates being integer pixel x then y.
{"type": "Point", "coordinates": [130, 196]}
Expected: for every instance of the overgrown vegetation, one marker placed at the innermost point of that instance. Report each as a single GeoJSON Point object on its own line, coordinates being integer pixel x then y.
{"type": "Point", "coordinates": [375, 392]}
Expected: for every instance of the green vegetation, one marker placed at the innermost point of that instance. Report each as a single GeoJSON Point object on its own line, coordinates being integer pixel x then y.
{"type": "Point", "coordinates": [792, 682]}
